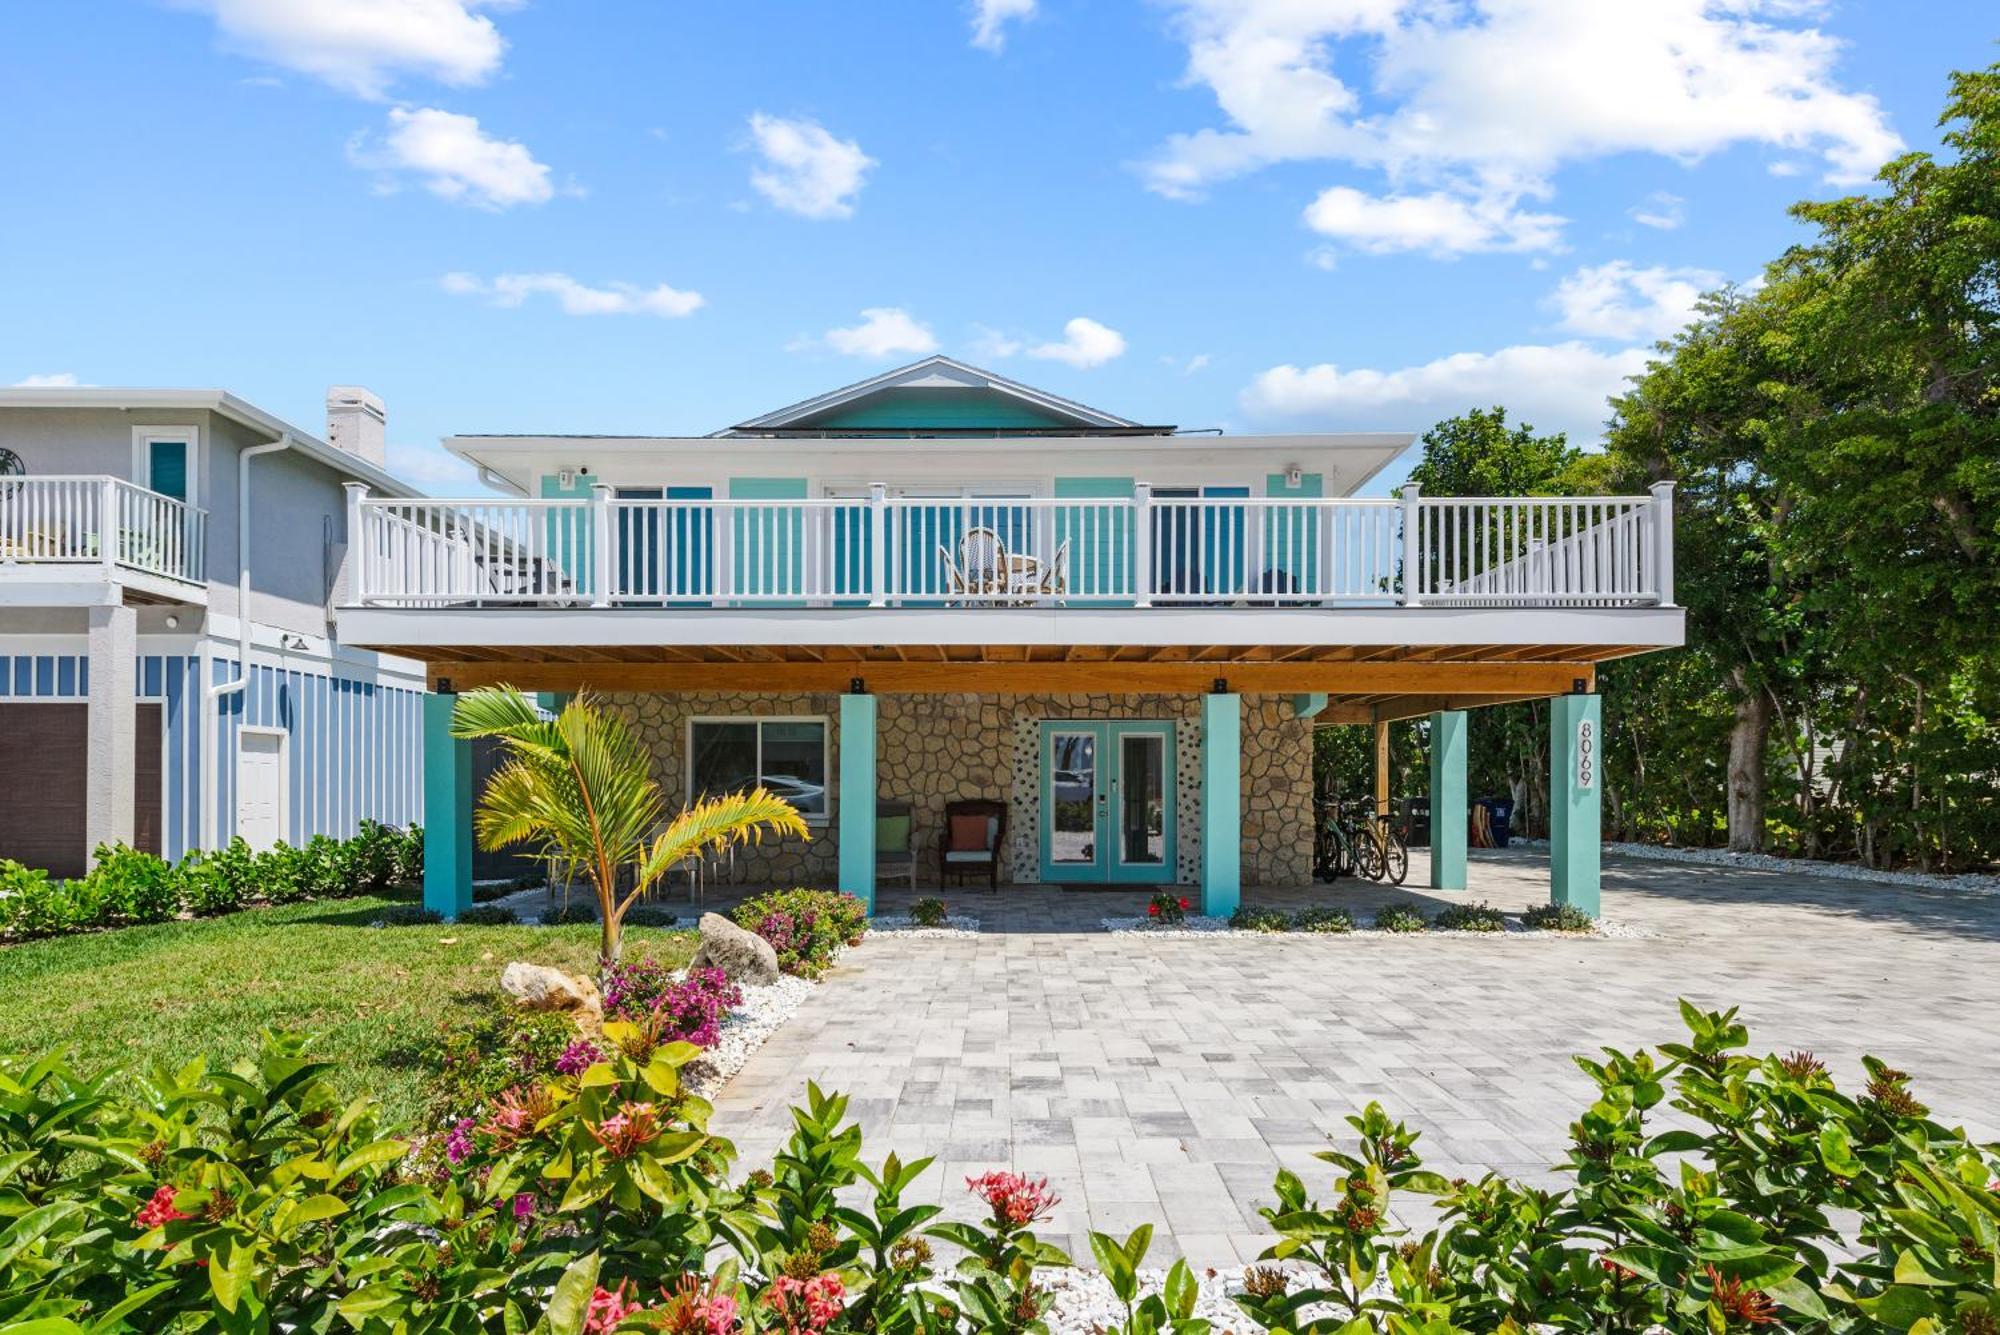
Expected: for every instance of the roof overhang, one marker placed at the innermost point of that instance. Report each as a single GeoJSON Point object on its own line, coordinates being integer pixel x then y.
{"type": "Point", "coordinates": [218, 401]}
{"type": "Point", "coordinates": [1354, 459]}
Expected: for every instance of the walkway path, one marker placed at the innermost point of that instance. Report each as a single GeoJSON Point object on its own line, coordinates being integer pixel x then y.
{"type": "Point", "coordinates": [1166, 1080]}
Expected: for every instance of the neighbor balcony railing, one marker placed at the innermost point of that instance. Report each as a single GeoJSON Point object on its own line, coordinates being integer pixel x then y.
{"type": "Point", "coordinates": [1141, 550]}
{"type": "Point", "coordinates": [104, 521]}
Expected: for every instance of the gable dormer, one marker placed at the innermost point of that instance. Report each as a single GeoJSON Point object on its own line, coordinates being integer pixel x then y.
{"type": "Point", "coordinates": [939, 396]}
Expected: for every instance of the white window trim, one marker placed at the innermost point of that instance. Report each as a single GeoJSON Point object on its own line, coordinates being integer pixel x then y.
{"type": "Point", "coordinates": [142, 463]}
{"type": "Point", "coordinates": [812, 818]}
{"type": "Point", "coordinates": [284, 771]}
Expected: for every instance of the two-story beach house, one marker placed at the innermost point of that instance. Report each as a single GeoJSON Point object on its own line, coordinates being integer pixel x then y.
{"type": "Point", "coordinates": [944, 607]}
{"type": "Point", "coordinates": [170, 675]}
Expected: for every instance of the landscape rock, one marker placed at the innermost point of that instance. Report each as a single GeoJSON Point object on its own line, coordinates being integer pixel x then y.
{"type": "Point", "coordinates": [745, 957]}
{"type": "Point", "coordinates": [537, 987]}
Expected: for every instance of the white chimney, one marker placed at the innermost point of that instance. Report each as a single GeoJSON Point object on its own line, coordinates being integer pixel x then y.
{"type": "Point", "coordinates": [357, 422]}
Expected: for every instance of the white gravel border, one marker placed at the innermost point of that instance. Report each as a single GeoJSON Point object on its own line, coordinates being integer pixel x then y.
{"type": "Point", "coordinates": [744, 1030]}
{"type": "Point", "coordinates": [902, 924]}
{"type": "Point", "coordinates": [1081, 1301]}
{"type": "Point", "coordinates": [1197, 925]}
{"type": "Point", "coordinates": [1968, 883]}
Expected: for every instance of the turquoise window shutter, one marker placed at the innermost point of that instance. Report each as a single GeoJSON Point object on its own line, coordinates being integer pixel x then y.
{"type": "Point", "coordinates": [167, 468]}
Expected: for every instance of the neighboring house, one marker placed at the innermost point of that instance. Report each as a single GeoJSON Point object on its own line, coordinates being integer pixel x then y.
{"type": "Point", "coordinates": [169, 671]}
{"type": "Point", "coordinates": [940, 585]}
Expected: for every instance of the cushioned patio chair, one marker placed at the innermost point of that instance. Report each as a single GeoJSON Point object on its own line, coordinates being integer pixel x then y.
{"type": "Point", "coordinates": [895, 841]}
{"type": "Point", "coordinates": [975, 830]}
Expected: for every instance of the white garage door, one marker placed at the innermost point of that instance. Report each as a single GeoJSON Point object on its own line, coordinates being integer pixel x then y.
{"type": "Point", "coordinates": [260, 787]}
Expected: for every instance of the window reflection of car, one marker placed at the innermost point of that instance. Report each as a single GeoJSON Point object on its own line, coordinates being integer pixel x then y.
{"type": "Point", "coordinates": [1074, 785]}
{"type": "Point", "coordinates": [801, 793]}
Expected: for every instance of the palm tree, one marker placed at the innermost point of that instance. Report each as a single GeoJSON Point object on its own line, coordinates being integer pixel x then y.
{"type": "Point", "coordinates": [579, 788]}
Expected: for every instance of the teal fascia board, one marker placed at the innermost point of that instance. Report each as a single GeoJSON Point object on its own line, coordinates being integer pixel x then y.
{"type": "Point", "coordinates": [447, 811]}
{"type": "Point", "coordinates": [1221, 804]}
{"type": "Point", "coordinates": [1576, 731]}
{"type": "Point", "coordinates": [1449, 813]}
{"type": "Point", "coordinates": [1309, 706]}
{"type": "Point", "coordinates": [857, 797]}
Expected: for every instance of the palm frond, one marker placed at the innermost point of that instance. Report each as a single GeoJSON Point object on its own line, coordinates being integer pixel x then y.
{"type": "Point", "coordinates": [716, 823]}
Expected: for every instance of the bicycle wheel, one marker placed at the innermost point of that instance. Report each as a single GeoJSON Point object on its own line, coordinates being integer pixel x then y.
{"type": "Point", "coordinates": [1367, 855]}
{"type": "Point", "coordinates": [1396, 857]}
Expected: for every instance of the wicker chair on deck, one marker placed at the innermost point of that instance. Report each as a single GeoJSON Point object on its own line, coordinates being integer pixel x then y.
{"type": "Point", "coordinates": [975, 830]}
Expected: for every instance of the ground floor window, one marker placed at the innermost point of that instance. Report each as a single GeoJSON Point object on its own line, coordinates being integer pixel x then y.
{"type": "Point", "coordinates": [785, 755]}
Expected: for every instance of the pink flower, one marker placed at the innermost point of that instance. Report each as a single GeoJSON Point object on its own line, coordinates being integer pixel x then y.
{"type": "Point", "coordinates": [524, 1208]}
{"type": "Point", "coordinates": [458, 1142]}
{"type": "Point", "coordinates": [818, 1299]}
{"type": "Point", "coordinates": [1016, 1200]}
{"type": "Point", "coordinates": [578, 1057]}
{"type": "Point", "coordinates": [622, 1133]}
{"type": "Point", "coordinates": [608, 1307]}
{"type": "Point", "coordinates": [160, 1209]}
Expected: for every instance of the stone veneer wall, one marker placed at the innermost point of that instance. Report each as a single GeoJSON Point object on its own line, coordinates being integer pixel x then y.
{"type": "Point", "coordinates": [935, 748]}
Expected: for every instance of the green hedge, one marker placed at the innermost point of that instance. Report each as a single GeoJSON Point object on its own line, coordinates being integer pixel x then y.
{"type": "Point", "coordinates": [807, 928]}
{"type": "Point", "coordinates": [256, 1200]}
{"type": "Point", "coordinates": [127, 886]}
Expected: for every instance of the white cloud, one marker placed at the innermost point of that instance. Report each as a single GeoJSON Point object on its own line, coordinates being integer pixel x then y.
{"type": "Point", "coordinates": [1187, 365]}
{"type": "Point", "coordinates": [1623, 301]}
{"type": "Point", "coordinates": [456, 160]}
{"type": "Point", "coordinates": [991, 17]}
{"type": "Point", "coordinates": [514, 289]}
{"type": "Point", "coordinates": [1085, 343]}
{"type": "Point", "coordinates": [1660, 209]}
{"type": "Point", "coordinates": [806, 170]}
{"type": "Point", "coordinates": [884, 331]}
{"type": "Point", "coordinates": [1488, 98]}
{"type": "Point", "coordinates": [1438, 223]}
{"type": "Point", "coordinates": [360, 46]}
{"type": "Point", "coordinates": [1559, 387]}
{"type": "Point", "coordinates": [54, 380]}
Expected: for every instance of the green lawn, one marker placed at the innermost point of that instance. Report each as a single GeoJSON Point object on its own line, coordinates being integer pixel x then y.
{"type": "Point", "coordinates": [372, 996]}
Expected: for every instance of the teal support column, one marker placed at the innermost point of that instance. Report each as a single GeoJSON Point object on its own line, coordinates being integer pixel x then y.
{"type": "Point", "coordinates": [447, 811]}
{"type": "Point", "coordinates": [1221, 804]}
{"type": "Point", "coordinates": [1576, 725]}
{"type": "Point", "coordinates": [857, 797]}
{"type": "Point", "coordinates": [1448, 808]}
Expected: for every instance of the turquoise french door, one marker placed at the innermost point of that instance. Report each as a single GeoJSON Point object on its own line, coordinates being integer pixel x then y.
{"type": "Point", "coordinates": [1107, 802]}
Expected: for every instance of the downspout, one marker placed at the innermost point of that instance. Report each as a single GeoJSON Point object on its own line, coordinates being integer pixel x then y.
{"type": "Point", "coordinates": [213, 694]}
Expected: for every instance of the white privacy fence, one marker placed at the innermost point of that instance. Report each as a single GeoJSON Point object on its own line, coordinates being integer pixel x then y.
{"type": "Point", "coordinates": [1140, 550]}
{"type": "Point", "coordinates": [101, 521]}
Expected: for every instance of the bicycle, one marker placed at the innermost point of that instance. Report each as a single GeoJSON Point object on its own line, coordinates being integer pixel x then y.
{"type": "Point", "coordinates": [1382, 852]}
{"type": "Point", "coordinates": [1333, 845]}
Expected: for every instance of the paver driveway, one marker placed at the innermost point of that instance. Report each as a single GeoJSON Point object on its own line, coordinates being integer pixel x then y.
{"type": "Point", "coordinates": [1166, 1080]}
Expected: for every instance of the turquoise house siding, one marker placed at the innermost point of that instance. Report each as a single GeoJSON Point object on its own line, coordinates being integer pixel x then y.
{"type": "Point", "coordinates": [768, 544]}
{"type": "Point", "coordinates": [1100, 543]}
{"type": "Point", "coordinates": [947, 410]}
{"type": "Point", "coordinates": [567, 538]}
{"type": "Point", "coordinates": [1292, 537]}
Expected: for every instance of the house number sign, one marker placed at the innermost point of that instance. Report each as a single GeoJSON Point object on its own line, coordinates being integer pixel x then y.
{"type": "Point", "coordinates": [1586, 754]}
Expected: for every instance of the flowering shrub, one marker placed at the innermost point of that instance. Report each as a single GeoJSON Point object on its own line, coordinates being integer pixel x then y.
{"type": "Point", "coordinates": [126, 886]}
{"type": "Point", "coordinates": [1165, 909]}
{"type": "Point", "coordinates": [595, 1201]}
{"type": "Point", "coordinates": [807, 928]}
{"type": "Point", "coordinates": [475, 1062]}
{"type": "Point", "coordinates": [930, 911]}
{"type": "Point", "coordinates": [672, 1009]}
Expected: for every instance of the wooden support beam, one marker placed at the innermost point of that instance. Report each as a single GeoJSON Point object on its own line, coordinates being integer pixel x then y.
{"type": "Point", "coordinates": [1382, 768]}
{"type": "Point", "coordinates": [1429, 680]}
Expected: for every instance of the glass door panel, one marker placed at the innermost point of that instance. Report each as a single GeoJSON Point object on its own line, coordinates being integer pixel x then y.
{"type": "Point", "coordinates": [1107, 802]}
{"type": "Point", "coordinates": [1072, 798]}
{"type": "Point", "coordinates": [1142, 800]}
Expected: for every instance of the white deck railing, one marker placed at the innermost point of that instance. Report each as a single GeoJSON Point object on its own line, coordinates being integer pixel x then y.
{"type": "Point", "coordinates": [105, 521]}
{"type": "Point", "coordinates": [1136, 551]}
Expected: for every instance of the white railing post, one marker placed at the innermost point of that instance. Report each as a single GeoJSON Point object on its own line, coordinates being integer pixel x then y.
{"type": "Point", "coordinates": [604, 545]}
{"type": "Point", "coordinates": [878, 544]}
{"type": "Point", "coordinates": [1142, 544]}
{"type": "Point", "coordinates": [1663, 540]}
{"type": "Point", "coordinates": [352, 581]}
{"type": "Point", "coordinates": [108, 540]}
{"type": "Point", "coordinates": [1412, 580]}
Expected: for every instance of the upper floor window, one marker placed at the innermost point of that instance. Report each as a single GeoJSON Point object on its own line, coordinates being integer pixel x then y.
{"type": "Point", "coordinates": [164, 460]}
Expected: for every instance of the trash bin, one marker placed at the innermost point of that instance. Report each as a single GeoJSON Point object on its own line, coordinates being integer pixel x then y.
{"type": "Point", "coordinates": [1417, 822]}
{"type": "Point", "coordinates": [1501, 812]}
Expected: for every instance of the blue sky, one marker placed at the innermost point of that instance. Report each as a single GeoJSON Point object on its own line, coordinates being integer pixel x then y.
{"type": "Point", "coordinates": [644, 216]}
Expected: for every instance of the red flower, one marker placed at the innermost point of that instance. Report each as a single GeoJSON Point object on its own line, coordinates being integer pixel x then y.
{"type": "Point", "coordinates": [160, 1210]}
{"type": "Point", "coordinates": [1152, 910]}
{"type": "Point", "coordinates": [820, 1297]}
{"type": "Point", "coordinates": [1737, 1300]}
{"type": "Point", "coordinates": [608, 1307]}
{"type": "Point", "coordinates": [1184, 903]}
{"type": "Point", "coordinates": [1016, 1200]}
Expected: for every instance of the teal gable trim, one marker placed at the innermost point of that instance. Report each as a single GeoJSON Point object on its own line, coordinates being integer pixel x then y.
{"type": "Point", "coordinates": [448, 801]}
{"type": "Point", "coordinates": [1221, 804]}
{"type": "Point", "coordinates": [940, 409]}
{"type": "Point", "coordinates": [857, 797]}
{"type": "Point", "coordinates": [1575, 876]}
